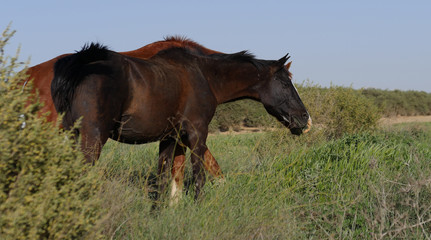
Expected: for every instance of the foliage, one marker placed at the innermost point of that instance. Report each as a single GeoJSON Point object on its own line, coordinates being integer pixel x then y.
{"type": "Point", "coordinates": [339, 110]}
{"type": "Point", "coordinates": [396, 102]}
{"type": "Point", "coordinates": [46, 192]}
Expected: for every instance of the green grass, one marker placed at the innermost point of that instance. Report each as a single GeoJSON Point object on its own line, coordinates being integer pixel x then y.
{"type": "Point", "coordinates": [366, 185]}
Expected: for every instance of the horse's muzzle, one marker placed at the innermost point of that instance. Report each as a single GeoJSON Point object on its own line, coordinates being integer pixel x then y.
{"type": "Point", "coordinates": [305, 129]}
{"type": "Point", "coordinates": [308, 127]}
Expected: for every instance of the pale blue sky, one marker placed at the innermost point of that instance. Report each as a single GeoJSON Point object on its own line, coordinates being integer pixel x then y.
{"type": "Point", "coordinates": [380, 44]}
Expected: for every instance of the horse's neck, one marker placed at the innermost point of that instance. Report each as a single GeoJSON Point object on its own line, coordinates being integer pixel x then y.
{"type": "Point", "coordinates": [230, 83]}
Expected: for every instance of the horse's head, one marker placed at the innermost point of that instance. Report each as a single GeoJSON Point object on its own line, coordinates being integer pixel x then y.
{"type": "Point", "coordinates": [281, 99]}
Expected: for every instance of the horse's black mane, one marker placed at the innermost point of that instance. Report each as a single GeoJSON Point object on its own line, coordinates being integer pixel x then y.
{"type": "Point", "coordinates": [243, 56]}
{"type": "Point", "coordinates": [239, 56]}
{"type": "Point", "coordinates": [70, 70]}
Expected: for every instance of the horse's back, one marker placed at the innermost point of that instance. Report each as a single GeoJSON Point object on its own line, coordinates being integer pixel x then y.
{"type": "Point", "coordinates": [156, 101]}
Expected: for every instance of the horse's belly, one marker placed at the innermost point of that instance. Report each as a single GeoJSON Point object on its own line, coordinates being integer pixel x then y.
{"type": "Point", "coordinates": [135, 130]}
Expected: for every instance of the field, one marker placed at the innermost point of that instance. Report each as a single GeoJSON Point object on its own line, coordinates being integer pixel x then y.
{"type": "Point", "coordinates": [361, 186]}
{"type": "Point", "coordinates": [352, 176]}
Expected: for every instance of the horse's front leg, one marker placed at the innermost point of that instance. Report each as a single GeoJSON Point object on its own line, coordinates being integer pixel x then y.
{"type": "Point", "coordinates": [166, 148]}
{"type": "Point", "coordinates": [93, 137]}
{"type": "Point", "coordinates": [196, 142]}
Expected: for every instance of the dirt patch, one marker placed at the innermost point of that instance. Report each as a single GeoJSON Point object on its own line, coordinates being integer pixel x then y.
{"type": "Point", "coordinates": [242, 130]}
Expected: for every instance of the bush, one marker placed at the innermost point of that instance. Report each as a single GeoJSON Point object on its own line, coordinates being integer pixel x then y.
{"type": "Point", "coordinates": [339, 110]}
{"type": "Point", "coordinates": [46, 192]}
{"type": "Point", "coordinates": [396, 102]}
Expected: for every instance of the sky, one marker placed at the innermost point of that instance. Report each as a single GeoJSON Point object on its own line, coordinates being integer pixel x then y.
{"type": "Point", "coordinates": [363, 44]}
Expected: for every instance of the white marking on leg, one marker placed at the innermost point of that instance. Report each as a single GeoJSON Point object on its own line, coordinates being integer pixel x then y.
{"type": "Point", "coordinates": [176, 192]}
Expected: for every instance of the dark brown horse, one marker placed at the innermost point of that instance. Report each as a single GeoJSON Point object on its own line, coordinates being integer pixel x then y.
{"type": "Point", "coordinates": [42, 74]}
{"type": "Point", "coordinates": [171, 97]}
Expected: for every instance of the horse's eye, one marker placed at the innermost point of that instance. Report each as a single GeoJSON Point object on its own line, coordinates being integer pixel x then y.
{"type": "Point", "coordinates": [284, 83]}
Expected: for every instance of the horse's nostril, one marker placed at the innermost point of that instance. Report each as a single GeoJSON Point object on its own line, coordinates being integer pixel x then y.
{"type": "Point", "coordinates": [305, 115]}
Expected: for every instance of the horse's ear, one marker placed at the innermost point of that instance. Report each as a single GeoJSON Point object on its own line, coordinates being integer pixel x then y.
{"type": "Point", "coordinates": [288, 65]}
{"type": "Point", "coordinates": [283, 60]}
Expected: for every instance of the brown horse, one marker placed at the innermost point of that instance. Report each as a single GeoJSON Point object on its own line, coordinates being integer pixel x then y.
{"type": "Point", "coordinates": [170, 97]}
{"type": "Point", "coordinates": [42, 74]}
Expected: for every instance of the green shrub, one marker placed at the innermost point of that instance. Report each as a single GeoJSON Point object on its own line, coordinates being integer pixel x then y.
{"type": "Point", "coordinates": [396, 102]}
{"type": "Point", "coordinates": [46, 192]}
{"type": "Point", "coordinates": [339, 110]}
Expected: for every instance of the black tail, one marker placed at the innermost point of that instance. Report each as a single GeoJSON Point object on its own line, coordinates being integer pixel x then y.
{"type": "Point", "coordinates": [69, 72]}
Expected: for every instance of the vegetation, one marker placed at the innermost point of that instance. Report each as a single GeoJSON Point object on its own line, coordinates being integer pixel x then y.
{"type": "Point", "coordinates": [346, 179]}
{"type": "Point", "coordinates": [45, 190]}
{"type": "Point", "coordinates": [404, 103]}
{"type": "Point", "coordinates": [339, 109]}
{"type": "Point", "coordinates": [360, 186]}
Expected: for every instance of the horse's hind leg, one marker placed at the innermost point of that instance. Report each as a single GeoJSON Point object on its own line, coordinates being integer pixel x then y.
{"type": "Point", "coordinates": [171, 154]}
{"type": "Point", "coordinates": [177, 173]}
{"type": "Point", "coordinates": [211, 165]}
{"type": "Point", "coordinates": [177, 152]}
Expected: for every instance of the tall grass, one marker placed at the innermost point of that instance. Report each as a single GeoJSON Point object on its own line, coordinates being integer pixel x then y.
{"type": "Point", "coordinates": [277, 186]}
